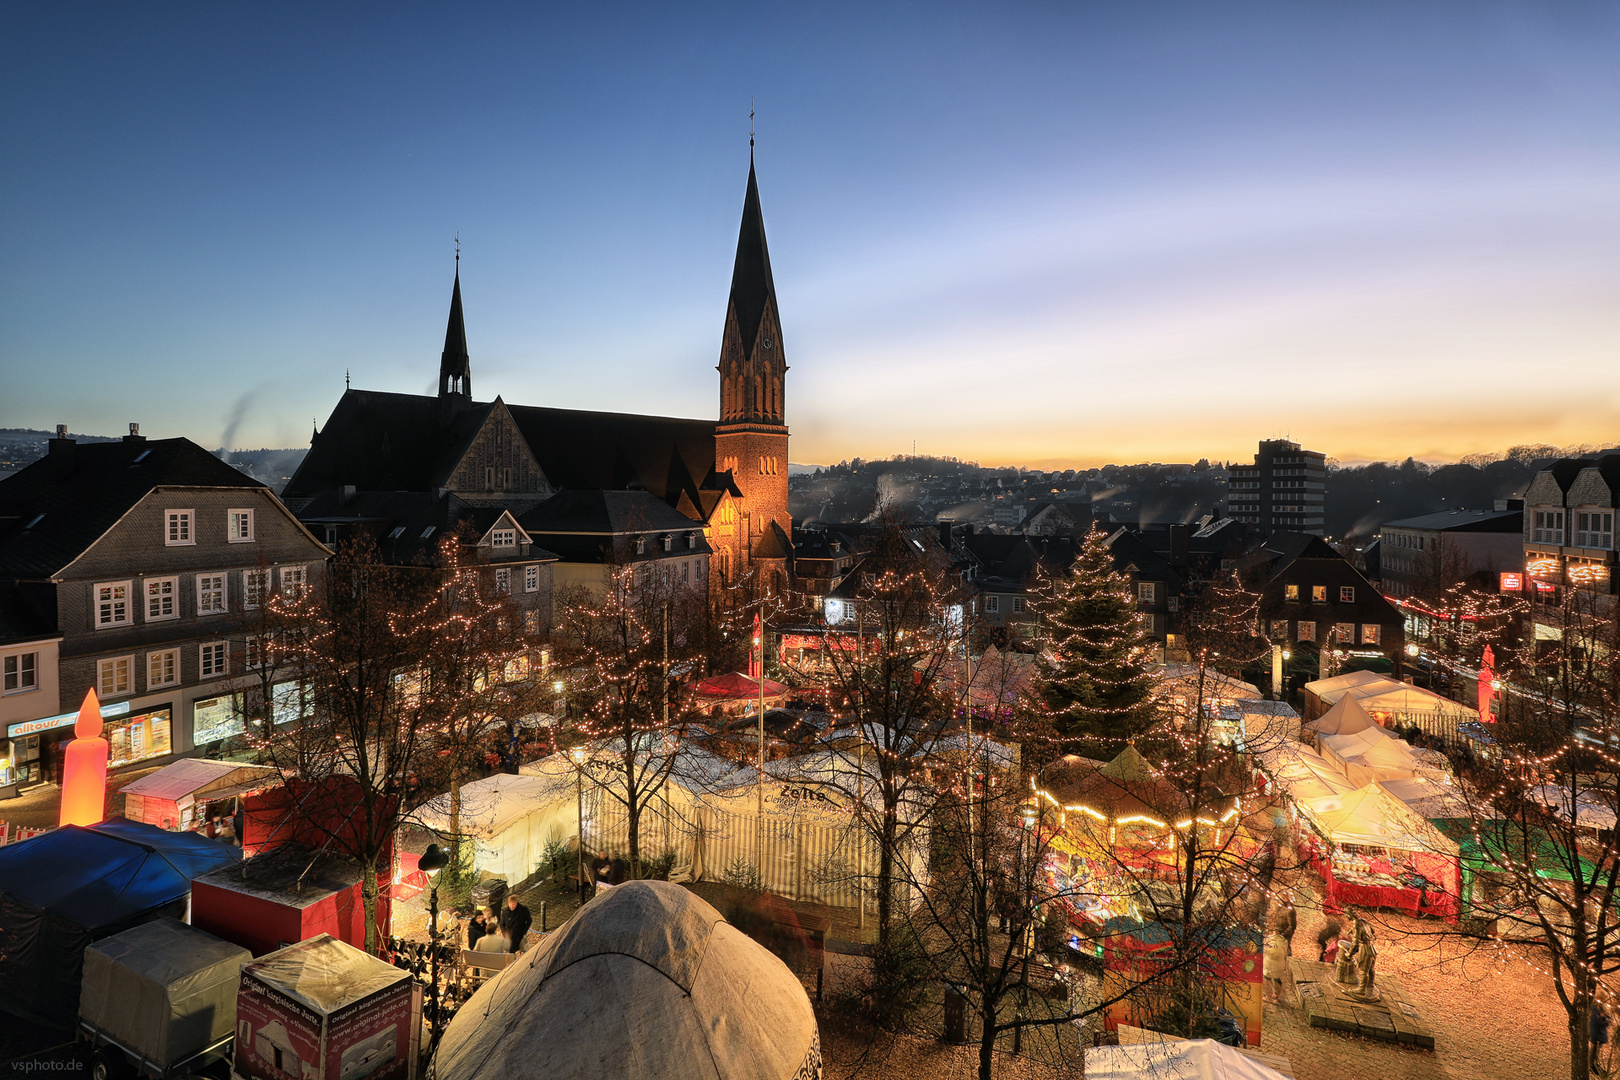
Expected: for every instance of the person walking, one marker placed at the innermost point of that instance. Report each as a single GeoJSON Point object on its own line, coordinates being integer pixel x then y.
{"type": "Point", "coordinates": [515, 921]}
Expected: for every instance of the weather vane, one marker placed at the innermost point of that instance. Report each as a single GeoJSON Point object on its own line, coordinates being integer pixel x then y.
{"type": "Point", "coordinates": [750, 123]}
{"type": "Point", "coordinates": [458, 248]}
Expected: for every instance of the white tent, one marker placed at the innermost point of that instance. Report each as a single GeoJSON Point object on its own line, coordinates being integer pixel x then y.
{"type": "Point", "coordinates": [1346, 717]}
{"type": "Point", "coordinates": [1390, 700]}
{"type": "Point", "coordinates": [1432, 800]}
{"type": "Point", "coordinates": [1303, 772]}
{"type": "Point", "coordinates": [1330, 690]}
{"type": "Point", "coordinates": [1181, 686]}
{"type": "Point", "coordinates": [176, 795]}
{"type": "Point", "coordinates": [1370, 754]}
{"type": "Point", "coordinates": [510, 819]}
{"type": "Point", "coordinates": [1591, 812]}
{"type": "Point", "coordinates": [1267, 724]}
{"type": "Point", "coordinates": [1370, 816]}
{"type": "Point", "coordinates": [646, 980]}
{"type": "Point", "coordinates": [1193, 1059]}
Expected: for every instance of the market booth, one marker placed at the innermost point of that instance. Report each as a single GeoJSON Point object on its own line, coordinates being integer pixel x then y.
{"type": "Point", "coordinates": [646, 980]}
{"type": "Point", "coordinates": [509, 819]}
{"type": "Point", "coordinates": [323, 1010]}
{"type": "Point", "coordinates": [180, 795]}
{"type": "Point", "coordinates": [73, 885]}
{"type": "Point", "coordinates": [287, 894]}
{"type": "Point", "coordinates": [1372, 850]}
{"type": "Point", "coordinates": [1390, 702]}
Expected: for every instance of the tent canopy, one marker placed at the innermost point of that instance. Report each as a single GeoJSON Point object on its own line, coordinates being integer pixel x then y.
{"type": "Point", "coordinates": [736, 686]}
{"type": "Point", "coordinates": [1371, 754]}
{"type": "Point", "coordinates": [1373, 817]}
{"type": "Point", "coordinates": [1331, 690]}
{"type": "Point", "coordinates": [646, 980]}
{"type": "Point", "coordinates": [324, 973]}
{"type": "Point", "coordinates": [175, 781]}
{"type": "Point", "coordinates": [1590, 810]}
{"type": "Point", "coordinates": [1346, 717]}
{"type": "Point", "coordinates": [492, 805]}
{"type": "Point", "coordinates": [1193, 1059]}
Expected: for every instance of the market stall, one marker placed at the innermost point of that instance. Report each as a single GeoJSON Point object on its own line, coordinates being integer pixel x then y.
{"type": "Point", "coordinates": [193, 792]}
{"type": "Point", "coordinates": [1372, 850]}
{"type": "Point", "coordinates": [509, 820]}
{"type": "Point", "coordinates": [1369, 755]}
{"type": "Point", "coordinates": [1344, 717]}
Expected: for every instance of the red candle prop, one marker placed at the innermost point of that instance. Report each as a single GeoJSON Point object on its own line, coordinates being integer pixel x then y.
{"type": "Point", "coordinates": [84, 773]}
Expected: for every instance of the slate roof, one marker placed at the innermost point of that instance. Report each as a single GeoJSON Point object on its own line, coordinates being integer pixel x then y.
{"type": "Point", "coordinates": [603, 513]}
{"type": "Point", "coordinates": [1507, 521]}
{"type": "Point", "coordinates": [378, 441]}
{"type": "Point", "coordinates": [752, 289]}
{"type": "Point", "coordinates": [667, 456]}
{"type": "Point", "coordinates": [409, 514]}
{"type": "Point", "coordinates": [54, 509]}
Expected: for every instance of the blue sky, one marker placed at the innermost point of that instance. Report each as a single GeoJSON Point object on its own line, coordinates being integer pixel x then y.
{"type": "Point", "coordinates": [1029, 234]}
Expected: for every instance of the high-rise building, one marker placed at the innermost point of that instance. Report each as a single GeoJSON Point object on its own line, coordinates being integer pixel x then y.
{"type": "Point", "coordinates": [1283, 491]}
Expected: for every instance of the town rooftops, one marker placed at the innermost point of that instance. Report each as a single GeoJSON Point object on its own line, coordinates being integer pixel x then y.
{"type": "Point", "coordinates": [54, 509]}
{"type": "Point", "coordinates": [1508, 521]}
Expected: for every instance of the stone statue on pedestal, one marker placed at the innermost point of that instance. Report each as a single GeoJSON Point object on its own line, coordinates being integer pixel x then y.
{"type": "Point", "coordinates": [1356, 969]}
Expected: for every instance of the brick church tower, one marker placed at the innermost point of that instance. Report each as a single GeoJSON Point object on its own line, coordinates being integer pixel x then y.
{"type": "Point", "coordinates": [751, 440]}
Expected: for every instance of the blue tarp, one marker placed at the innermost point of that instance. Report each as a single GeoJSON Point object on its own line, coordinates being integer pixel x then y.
{"type": "Point", "coordinates": [74, 885]}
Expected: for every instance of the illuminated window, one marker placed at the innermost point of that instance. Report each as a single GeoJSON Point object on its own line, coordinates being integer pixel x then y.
{"type": "Point", "coordinates": [1344, 633]}
{"type": "Point", "coordinates": [113, 676]}
{"type": "Point", "coordinates": [1307, 630]}
{"type": "Point", "coordinates": [161, 599]}
{"type": "Point", "coordinates": [255, 583]}
{"type": "Point", "coordinates": [162, 668]}
{"type": "Point", "coordinates": [1291, 592]}
{"type": "Point", "coordinates": [1347, 594]}
{"type": "Point", "coordinates": [1369, 633]}
{"type": "Point", "coordinates": [1318, 594]}
{"type": "Point", "coordinates": [112, 604]}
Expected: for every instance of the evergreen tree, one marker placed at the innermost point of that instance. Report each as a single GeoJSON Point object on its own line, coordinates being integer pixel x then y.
{"type": "Point", "coordinates": [1095, 671]}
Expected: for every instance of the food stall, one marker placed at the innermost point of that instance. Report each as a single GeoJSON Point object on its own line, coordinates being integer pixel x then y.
{"type": "Point", "coordinates": [191, 793]}
{"type": "Point", "coordinates": [1372, 850]}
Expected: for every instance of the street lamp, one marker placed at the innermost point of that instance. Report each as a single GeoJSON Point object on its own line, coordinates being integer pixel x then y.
{"type": "Point", "coordinates": [579, 806]}
{"type": "Point", "coordinates": [433, 860]}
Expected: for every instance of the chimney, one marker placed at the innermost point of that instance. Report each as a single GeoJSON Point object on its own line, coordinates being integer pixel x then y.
{"type": "Point", "coordinates": [61, 446]}
{"type": "Point", "coordinates": [1180, 536]}
{"type": "Point", "coordinates": [945, 525]}
{"type": "Point", "coordinates": [134, 434]}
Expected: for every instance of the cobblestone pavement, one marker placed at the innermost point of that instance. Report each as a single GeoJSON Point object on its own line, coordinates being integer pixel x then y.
{"type": "Point", "coordinates": [1494, 1017]}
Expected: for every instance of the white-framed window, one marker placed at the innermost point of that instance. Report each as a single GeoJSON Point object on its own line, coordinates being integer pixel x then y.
{"type": "Point", "coordinates": [1549, 527]}
{"type": "Point", "coordinates": [503, 579]}
{"type": "Point", "coordinates": [1344, 633]}
{"type": "Point", "coordinates": [177, 531]}
{"type": "Point", "coordinates": [503, 538]}
{"type": "Point", "coordinates": [239, 526]}
{"type": "Point", "coordinates": [992, 603]}
{"type": "Point", "coordinates": [162, 668]}
{"type": "Point", "coordinates": [114, 676]}
{"type": "Point", "coordinates": [253, 651]}
{"type": "Point", "coordinates": [1018, 605]}
{"type": "Point", "coordinates": [691, 541]}
{"type": "Point", "coordinates": [293, 581]}
{"type": "Point", "coordinates": [1307, 630]}
{"type": "Point", "coordinates": [112, 604]}
{"type": "Point", "coordinates": [531, 578]}
{"type": "Point", "coordinates": [669, 543]}
{"type": "Point", "coordinates": [162, 599]}
{"type": "Point", "coordinates": [211, 598]}
{"type": "Point", "coordinates": [1147, 591]}
{"type": "Point", "coordinates": [1594, 530]}
{"type": "Point", "coordinates": [1318, 594]}
{"type": "Point", "coordinates": [21, 672]}
{"type": "Point", "coordinates": [211, 660]}
{"type": "Point", "coordinates": [1369, 633]}
{"type": "Point", "coordinates": [255, 584]}
{"type": "Point", "coordinates": [641, 545]}
{"type": "Point", "coordinates": [1347, 594]}
{"type": "Point", "coordinates": [1290, 592]}
{"type": "Point", "coordinates": [1279, 629]}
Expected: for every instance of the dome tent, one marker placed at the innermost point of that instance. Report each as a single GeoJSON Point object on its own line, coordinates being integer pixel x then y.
{"type": "Point", "coordinates": [645, 981]}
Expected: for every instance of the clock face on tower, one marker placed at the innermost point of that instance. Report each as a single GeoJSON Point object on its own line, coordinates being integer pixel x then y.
{"type": "Point", "coordinates": [769, 340]}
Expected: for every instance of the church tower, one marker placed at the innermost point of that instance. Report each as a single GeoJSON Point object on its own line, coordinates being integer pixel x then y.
{"type": "Point", "coordinates": [751, 440]}
{"type": "Point", "coordinates": [455, 366]}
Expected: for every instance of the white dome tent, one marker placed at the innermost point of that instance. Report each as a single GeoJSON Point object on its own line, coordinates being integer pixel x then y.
{"type": "Point", "coordinates": [646, 981]}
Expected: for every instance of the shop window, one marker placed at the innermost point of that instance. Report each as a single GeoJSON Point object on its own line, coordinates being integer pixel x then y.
{"type": "Point", "coordinates": [136, 738]}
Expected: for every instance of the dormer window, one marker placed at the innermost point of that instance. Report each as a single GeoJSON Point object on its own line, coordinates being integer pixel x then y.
{"type": "Point", "coordinates": [503, 538]}
{"type": "Point", "coordinates": [641, 545]}
{"type": "Point", "coordinates": [691, 540]}
{"type": "Point", "coordinates": [669, 543]}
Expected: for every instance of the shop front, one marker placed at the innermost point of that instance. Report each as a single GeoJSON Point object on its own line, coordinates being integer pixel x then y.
{"type": "Point", "coordinates": [140, 736]}
{"type": "Point", "coordinates": [30, 749]}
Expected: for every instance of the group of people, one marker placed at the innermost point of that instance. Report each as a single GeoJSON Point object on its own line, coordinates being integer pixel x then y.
{"type": "Point", "coordinates": [500, 931]}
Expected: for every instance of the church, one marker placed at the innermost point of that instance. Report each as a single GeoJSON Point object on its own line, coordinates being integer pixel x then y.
{"type": "Point", "coordinates": [383, 457]}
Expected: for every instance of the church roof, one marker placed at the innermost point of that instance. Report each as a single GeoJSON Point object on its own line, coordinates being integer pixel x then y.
{"type": "Point", "coordinates": [752, 289]}
{"type": "Point", "coordinates": [379, 441]}
{"type": "Point", "coordinates": [664, 455]}
{"type": "Point", "coordinates": [455, 359]}
{"type": "Point", "coordinates": [604, 513]}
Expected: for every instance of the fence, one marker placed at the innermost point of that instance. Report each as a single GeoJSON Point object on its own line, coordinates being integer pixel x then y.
{"type": "Point", "coordinates": [16, 834]}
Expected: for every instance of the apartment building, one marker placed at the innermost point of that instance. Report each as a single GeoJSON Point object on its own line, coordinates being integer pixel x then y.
{"type": "Point", "coordinates": [1285, 490]}
{"type": "Point", "coordinates": [146, 562]}
{"type": "Point", "coordinates": [1423, 556]}
{"type": "Point", "coordinates": [1568, 535]}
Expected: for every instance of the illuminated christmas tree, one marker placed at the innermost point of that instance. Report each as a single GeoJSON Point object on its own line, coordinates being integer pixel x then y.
{"type": "Point", "coordinates": [1095, 671]}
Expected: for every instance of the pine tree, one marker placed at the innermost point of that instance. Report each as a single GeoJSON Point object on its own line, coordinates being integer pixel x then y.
{"type": "Point", "coordinates": [1095, 670]}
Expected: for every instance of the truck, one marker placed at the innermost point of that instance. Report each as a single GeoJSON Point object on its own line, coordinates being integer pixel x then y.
{"type": "Point", "coordinates": [159, 1001]}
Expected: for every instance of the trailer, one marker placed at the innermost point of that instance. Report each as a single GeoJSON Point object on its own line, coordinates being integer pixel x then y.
{"type": "Point", "coordinates": [159, 1001]}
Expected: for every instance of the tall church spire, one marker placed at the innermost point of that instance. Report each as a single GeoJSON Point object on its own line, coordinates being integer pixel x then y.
{"type": "Point", "coordinates": [751, 357]}
{"type": "Point", "coordinates": [455, 366]}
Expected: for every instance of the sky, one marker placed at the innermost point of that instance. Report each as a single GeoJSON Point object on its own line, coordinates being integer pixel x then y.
{"type": "Point", "coordinates": [1015, 233]}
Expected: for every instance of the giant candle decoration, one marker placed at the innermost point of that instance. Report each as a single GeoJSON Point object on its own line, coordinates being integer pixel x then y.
{"type": "Point", "coordinates": [84, 773]}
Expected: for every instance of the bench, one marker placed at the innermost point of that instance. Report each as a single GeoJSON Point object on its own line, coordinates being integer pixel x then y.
{"type": "Point", "coordinates": [480, 966]}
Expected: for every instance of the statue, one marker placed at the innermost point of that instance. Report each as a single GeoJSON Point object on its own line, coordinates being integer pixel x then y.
{"type": "Point", "coordinates": [1345, 964]}
{"type": "Point", "coordinates": [1359, 972]}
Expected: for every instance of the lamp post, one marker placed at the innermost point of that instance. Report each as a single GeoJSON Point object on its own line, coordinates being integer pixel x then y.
{"type": "Point", "coordinates": [433, 860]}
{"type": "Point", "coordinates": [579, 807]}
{"type": "Point", "coordinates": [1029, 815]}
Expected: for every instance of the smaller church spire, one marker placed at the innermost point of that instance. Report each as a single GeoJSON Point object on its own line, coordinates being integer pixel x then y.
{"type": "Point", "coordinates": [455, 365]}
